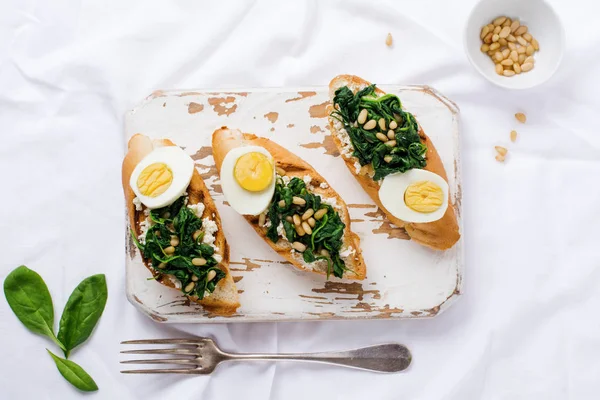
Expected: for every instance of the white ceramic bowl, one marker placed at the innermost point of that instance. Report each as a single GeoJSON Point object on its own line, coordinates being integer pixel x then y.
{"type": "Point", "coordinates": [542, 22]}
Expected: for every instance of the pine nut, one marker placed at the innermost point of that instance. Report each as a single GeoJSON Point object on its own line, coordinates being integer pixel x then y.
{"type": "Point", "coordinates": [507, 22]}
{"type": "Point", "coordinates": [189, 287]}
{"type": "Point", "coordinates": [299, 230]}
{"type": "Point", "coordinates": [389, 40]}
{"type": "Point", "coordinates": [497, 30]}
{"type": "Point", "coordinates": [484, 49]}
{"type": "Point", "coordinates": [502, 42]}
{"type": "Point", "coordinates": [370, 124]}
{"type": "Point", "coordinates": [306, 228]}
{"type": "Point", "coordinates": [499, 158]}
{"type": "Point", "coordinates": [307, 214]}
{"type": "Point", "coordinates": [319, 214]}
{"type": "Point", "coordinates": [174, 241]}
{"type": "Point", "coordinates": [498, 56]}
{"type": "Point", "coordinates": [362, 116]}
{"type": "Point", "coordinates": [299, 201]}
{"type": "Point", "coordinates": [280, 171]}
{"type": "Point", "coordinates": [195, 278]}
{"type": "Point", "coordinates": [522, 58]}
{"type": "Point", "coordinates": [512, 46]}
{"type": "Point", "coordinates": [517, 68]}
{"type": "Point", "coordinates": [394, 124]}
{"type": "Point", "coordinates": [521, 50]}
{"type": "Point", "coordinates": [390, 143]}
{"type": "Point", "coordinates": [262, 218]}
{"type": "Point", "coordinates": [494, 46]}
{"type": "Point", "coordinates": [488, 38]}
{"type": "Point", "coordinates": [513, 136]}
{"type": "Point", "coordinates": [211, 275]}
{"type": "Point", "coordinates": [491, 53]}
{"type": "Point", "coordinates": [520, 116]}
{"type": "Point", "coordinates": [297, 220]}
{"type": "Point", "coordinates": [161, 265]}
{"type": "Point", "coordinates": [325, 252]}
{"type": "Point", "coordinates": [529, 51]}
{"type": "Point", "coordinates": [527, 67]}
{"type": "Point", "coordinates": [508, 72]}
{"type": "Point", "coordinates": [169, 250]}
{"type": "Point", "coordinates": [166, 215]}
{"type": "Point", "coordinates": [281, 203]}
{"type": "Point", "coordinates": [381, 137]}
{"type": "Point", "coordinates": [484, 32]}
{"type": "Point", "coordinates": [535, 44]}
{"type": "Point", "coordinates": [499, 69]}
{"type": "Point", "coordinates": [505, 53]}
{"type": "Point", "coordinates": [514, 55]}
{"type": "Point", "coordinates": [388, 158]}
{"type": "Point", "coordinates": [381, 123]}
{"type": "Point", "coordinates": [391, 134]}
{"type": "Point", "coordinates": [495, 37]}
{"type": "Point", "coordinates": [521, 30]}
{"type": "Point", "coordinates": [289, 219]}
{"type": "Point", "coordinates": [529, 59]}
{"type": "Point", "coordinates": [299, 246]}
{"type": "Point", "coordinates": [499, 21]}
{"type": "Point", "coordinates": [507, 62]}
{"type": "Point", "coordinates": [522, 41]}
{"type": "Point", "coordinates": [491, 27]}
{"type": "Point", "coordinates": [198, 261]}
{"type": "Point", "coordinates": [515, 24]}
{"type": "Point", "coordinates": [312, 222]}
{"type": "Point", "coordinates": [196, 234]}
{"type": "Point", "coordinates": [527, 36]}
{"type": "Point", "coordinates": [501, 150]}
{"type": "Point", "coordinates": [504, 32]}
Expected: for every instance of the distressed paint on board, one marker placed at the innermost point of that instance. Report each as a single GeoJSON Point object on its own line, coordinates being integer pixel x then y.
{"type": "Point", "coordinates": [422, 285]}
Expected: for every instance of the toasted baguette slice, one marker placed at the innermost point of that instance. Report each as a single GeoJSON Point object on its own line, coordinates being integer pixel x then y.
{"type": "Point", "coordinates": [441, 234]}
{"type": "Point", "coordinates": [225, 139]}
{"type": "Point", "coordinates": [224, 299]}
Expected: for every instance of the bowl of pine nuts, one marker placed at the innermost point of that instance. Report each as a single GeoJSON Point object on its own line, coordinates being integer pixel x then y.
{"type": "Point", "coordinates": [515, 44]}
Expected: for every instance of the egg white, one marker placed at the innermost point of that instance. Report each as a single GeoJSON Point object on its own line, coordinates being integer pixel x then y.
{"type": "Point", "coordinates": [240, 199]}
{"type": "Point", "coordinates": [182, 168]}
{"type": "Point", "coordinates": [393, 187]}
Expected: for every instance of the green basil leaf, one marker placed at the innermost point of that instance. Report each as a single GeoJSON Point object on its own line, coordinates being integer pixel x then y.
{"type": "Point", "coordinates": [82, 311]}
{"type": "Point", "coordinates": [30, 300]}
{"type": "Point", "coordinates": [74, 374]}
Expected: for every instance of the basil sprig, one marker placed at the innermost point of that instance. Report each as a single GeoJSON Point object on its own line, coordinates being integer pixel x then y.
{"type": "Point", "coordinates": [29, 298]}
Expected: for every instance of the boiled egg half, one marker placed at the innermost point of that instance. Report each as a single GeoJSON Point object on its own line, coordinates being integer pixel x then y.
{"type": "Point", "coordinates": [162, 176]}
{"type": "Point", "coordinates": [248, 179]}
{"type": "Point", "coordinates": [415, 196]}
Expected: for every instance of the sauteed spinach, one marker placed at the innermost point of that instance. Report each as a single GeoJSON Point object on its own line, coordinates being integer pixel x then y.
{"type": "Point", "coordinates": [326, 234]}
{"type": "Point", "coordinates": [179, 220]}
{"type": "Point", "coordinates": [407, 153]}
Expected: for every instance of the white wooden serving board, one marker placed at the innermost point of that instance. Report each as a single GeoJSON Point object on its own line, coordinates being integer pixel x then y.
{"type": "Point", "coordinates": [404, 279]}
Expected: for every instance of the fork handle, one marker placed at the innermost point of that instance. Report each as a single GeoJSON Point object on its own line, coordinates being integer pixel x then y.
{"type": "Point", "coordinates": [391, 357]}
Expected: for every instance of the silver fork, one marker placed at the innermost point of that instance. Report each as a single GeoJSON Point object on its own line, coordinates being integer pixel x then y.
{"type": "Point", "coordinates": [201, 356]}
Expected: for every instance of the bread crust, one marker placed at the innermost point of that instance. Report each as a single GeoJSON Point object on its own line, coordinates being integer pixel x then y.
{"type": "Point", "coordinates": [225, 139]}
{"type": "Point", "coordinates": [224, 300]}
{"type": "Point", "coordinates": [439, 235]}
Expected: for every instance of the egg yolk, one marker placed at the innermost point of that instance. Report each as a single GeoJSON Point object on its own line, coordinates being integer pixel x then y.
{"type": "Point", "coordinates": [253, 171]}
{"type": "Point", "coordinates": [155, 179]}
{"type": "Point", "coordinates": [424, 196]}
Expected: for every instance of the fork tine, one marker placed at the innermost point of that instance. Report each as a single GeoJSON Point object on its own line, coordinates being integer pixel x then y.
{"type": "Point", "coordinates": [183, 361]}
{"type": "Point", "coordinates": [188, 352]}
{"type": "Point", "coordinates": [165, 371]}
{"type": "Point", "coordinates": [199, 340]}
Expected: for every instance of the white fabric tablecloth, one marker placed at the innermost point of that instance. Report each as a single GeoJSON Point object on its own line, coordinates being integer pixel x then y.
{"type": "Point", "coordinates": [528, 325]}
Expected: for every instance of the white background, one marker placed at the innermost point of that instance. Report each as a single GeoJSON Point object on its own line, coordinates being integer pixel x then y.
{"type": "Point", "coordinates": [528, 325]}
